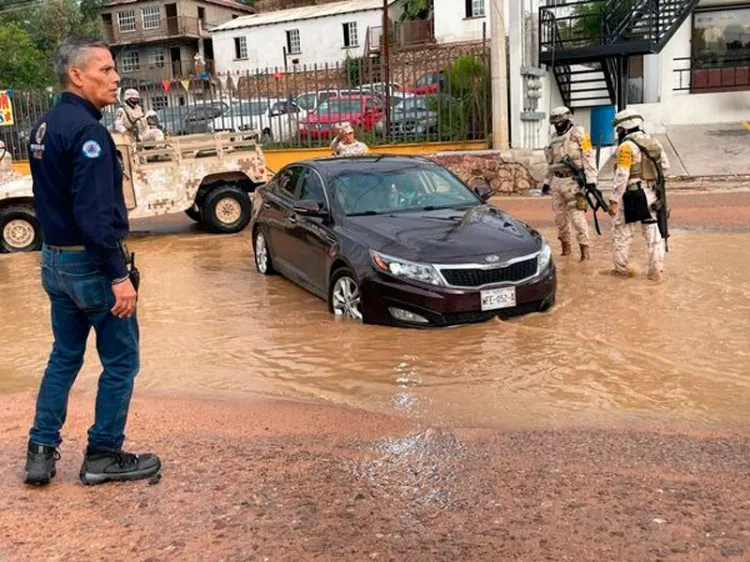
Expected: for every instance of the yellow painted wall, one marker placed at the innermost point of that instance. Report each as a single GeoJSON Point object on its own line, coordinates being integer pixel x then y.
{"type": "Point", "coordinates": [277, 159]}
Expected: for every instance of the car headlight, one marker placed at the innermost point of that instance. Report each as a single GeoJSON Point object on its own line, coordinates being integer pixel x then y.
{"type": "Point", "coordinates": [545, 256]}
{"type": "Point", "coordinates": [407, 269]}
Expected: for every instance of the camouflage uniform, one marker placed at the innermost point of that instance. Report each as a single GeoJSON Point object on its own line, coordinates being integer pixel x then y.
{"type": "Point", "coordinates": [357, 148]}
{"type": "Point", "coordinates": [568, 202]}
{"type": "Point", "coordinates": [629, 172]}
{"type": "Point", "coordinates": [131, 120]}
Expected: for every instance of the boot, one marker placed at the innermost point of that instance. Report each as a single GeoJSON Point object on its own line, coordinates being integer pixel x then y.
{"type": "Point", "coordinates": [655, 276]}
{"type": "Point", "coordinates": [585, 253]}
{"type": "Point", "coordinates": [100, 467]}
{"type": "Point", "coordinates": [565, 248]}
{"type": "Point", "coordinates": [40, 464]}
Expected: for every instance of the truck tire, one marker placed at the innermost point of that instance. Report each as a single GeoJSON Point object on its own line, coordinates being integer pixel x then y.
{"type": "Point", "coordinates": [19, 229]}
{"type": "Point", "coordinates": [226, 209]}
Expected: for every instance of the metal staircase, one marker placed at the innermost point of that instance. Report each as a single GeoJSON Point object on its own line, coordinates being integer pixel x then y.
{"type": "Point", "coordinates": [587, 43]}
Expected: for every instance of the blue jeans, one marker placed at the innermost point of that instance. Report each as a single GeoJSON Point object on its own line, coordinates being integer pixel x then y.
{"type": "Point", "coordinates": [81, 298]}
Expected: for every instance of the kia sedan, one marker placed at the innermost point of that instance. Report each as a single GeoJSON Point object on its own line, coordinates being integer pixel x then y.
{"type": "Point", "coordinates": [399, 241]}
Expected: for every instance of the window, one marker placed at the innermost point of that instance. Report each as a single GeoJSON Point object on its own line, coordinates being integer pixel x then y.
{"type": "Point", "coordinates": [159, 102]}
{"type": "Point", "coordinates": [311, 187]}
{"type": "Point", "coordinates": [202, 14]}
{"type": "Point", "coordinates": [151, 17]}
{"type": "Point", "coordinates": [293, 45]}
{"type": "Point", "coordinates": [288, 181]}
{"type": "Point", "coordinates": [721, 50]}
{"type": "Point", "coordinates": [350, 34]}
{"type": "Point", "coordinates": [129, 61]}
{"type": "Point", "coordinates": [474, 8]}
{"type": "Point", "coordinates": [240, 48]}
{"type": "Point", "coordinates": [126, 20]}
{"type": "Point", "coordinates": [158, 57]}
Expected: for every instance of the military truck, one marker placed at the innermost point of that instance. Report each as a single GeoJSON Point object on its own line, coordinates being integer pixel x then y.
{"type": "Point", "coordinates": [210, 177]}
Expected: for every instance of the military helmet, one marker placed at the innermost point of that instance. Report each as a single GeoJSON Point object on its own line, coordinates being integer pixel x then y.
{"type": "Point", "coordinates": [560, 114]}
{"type": "Point", "coordinates": [131, 93]}
{"type": "Point", "coordinates": [150, 113]}
{"type": "Point", "coordinates": [627, 119]}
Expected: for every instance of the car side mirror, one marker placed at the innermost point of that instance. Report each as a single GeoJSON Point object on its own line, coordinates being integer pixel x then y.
{"type": "Point", "coordinates": [309, 208]}
{"type": "Point", "coordinates": [484, 192]}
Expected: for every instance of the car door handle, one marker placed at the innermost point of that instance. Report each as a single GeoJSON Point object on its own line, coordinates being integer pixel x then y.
{"type": "Point", "coordinates": [293, 219]}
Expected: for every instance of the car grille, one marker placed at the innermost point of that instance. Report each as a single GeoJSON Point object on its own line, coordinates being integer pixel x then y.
{"type": "Point", "coordinates": [477, 277]}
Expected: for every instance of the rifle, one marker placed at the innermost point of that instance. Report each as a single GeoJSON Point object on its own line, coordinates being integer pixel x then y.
{"type": "Point", "coordinates": [593, 195]}
{"type": "Point", "coordinates": [660, 206]}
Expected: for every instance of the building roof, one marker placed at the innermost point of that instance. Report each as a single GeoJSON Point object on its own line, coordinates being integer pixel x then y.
{"type": "Point", "coordinates": [233, 4]}
{"type": "Point", "coordinates": [303, 13]}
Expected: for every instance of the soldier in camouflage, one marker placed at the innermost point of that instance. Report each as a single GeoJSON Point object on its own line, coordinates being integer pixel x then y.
{"type": "Point", "coordinates": [633, 195]}
{"type": "Point", "coordinates": [345, 144]}
{"type": "Point", "coordinates": [6, 164]}
{"type": "Point", "coordinates": [131, 120]}
{"type": "Point", "coordinates": [568, 201]}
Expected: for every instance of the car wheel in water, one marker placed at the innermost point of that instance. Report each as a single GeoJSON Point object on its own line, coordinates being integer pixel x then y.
{"type": "Point", "coordinates": [262, 254]}
{"type": "Point", "coordinates": [345, 297]}
{"type": "Point", "coordinates": [19, 229]}
{"type": "Point", "coordinates": [226, 209]}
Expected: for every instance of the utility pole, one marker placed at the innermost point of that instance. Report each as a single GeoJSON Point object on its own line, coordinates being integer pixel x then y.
{"type": "Point", "coordinates": [386, 68]}
{"type": "Point", "coordinates": [499, 75]}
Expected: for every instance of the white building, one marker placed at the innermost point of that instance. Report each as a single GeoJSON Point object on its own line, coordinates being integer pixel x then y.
{"type": "Point", "coordinates": [459, 21]}
{"type": "Point", "coordinates": [308, 35]}
{"type": "Point", "coordinates": [702, 75]}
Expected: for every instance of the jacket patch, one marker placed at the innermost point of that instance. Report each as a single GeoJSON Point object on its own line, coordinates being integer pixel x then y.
{"type": "Point", "coordinates": [91, 149]}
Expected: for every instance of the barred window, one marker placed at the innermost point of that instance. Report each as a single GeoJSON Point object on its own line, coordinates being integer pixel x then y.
{"type": "Point", "coordinates": [126, 20]}
{"type": "Point", "coordinates": [350, 34]}
{"type": "Point", "coordinates": [151, 17]}
{"type": "Point", "coordinates": [129, 61]}
{"type": "Point", "coordinates": [240, 48]}
{"type": "Point", "coordinates": [158, 57]}
{"type": "Point", "coordinates": [293, 43]}
{"type": "Point", "coordinates": [475, 8]}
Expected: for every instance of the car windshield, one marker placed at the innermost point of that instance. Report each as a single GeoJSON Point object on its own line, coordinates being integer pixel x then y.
{"type": "Point", "coordinates": [371, 192]}
{"type": "Point", "coordinates": [412, 104]}
{"type": "Point", "coordinates": [307, 101]}
{"type": "Point", "coordinates": [249, 108]}
{"type": "Point", "coordinates": [340, 106]}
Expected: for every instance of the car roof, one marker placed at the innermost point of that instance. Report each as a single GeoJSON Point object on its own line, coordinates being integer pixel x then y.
{"type": "Point", "coordinates": [387, 162]}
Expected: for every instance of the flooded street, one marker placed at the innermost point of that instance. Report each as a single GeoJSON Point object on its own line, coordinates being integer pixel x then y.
{"type": "Point", "coordinates": [609, 351]}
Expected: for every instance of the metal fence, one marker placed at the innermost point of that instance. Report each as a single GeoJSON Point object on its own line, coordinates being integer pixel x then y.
{"type": "Point", "coordinates": [431, 95]}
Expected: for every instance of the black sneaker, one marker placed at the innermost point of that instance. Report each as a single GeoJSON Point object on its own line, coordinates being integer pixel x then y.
{"type": "Point", "coordinates": [98, 468]}
{"type": "Point", "coordinates": [40, 464]}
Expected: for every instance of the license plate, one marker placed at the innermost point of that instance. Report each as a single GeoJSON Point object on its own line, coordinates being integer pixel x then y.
{"type": "Point", "coordinates": [498, 298]}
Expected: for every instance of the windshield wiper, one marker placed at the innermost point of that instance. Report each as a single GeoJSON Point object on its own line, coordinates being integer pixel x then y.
{"type": "Point", "coordinates": [363, 214]}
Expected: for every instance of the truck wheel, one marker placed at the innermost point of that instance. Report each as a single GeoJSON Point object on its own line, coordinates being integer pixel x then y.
{"type": "Point", "coordinates": [226, 209]}
{"type": "Point", "coordinates": [19, 229]}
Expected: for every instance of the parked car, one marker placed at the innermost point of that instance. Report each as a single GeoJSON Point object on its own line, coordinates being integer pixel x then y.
{"type": "Point", "coordinates": [412, 117]}
{"type": "Point", "coordinates": [276, 119]}
{"type": "Point", "coordinates": [399, 241]}
{"type": "Point", "coordinates": [429, 83]}
{"type": "Point", "coordinates": [361, 111]}
{"type": "Point", "coordinates": [310, 101]}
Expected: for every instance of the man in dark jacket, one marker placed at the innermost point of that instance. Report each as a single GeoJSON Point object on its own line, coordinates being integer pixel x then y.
{"type": "Point", "coordinates": [85, 268]}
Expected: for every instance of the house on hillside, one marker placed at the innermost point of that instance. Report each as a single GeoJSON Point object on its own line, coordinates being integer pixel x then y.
{"type": "Point", "coordinates": [156, 40]}
{"type": "Point", "coordinates": [325, 33]}
{"type": "Point", "coordinates": [463, 21]}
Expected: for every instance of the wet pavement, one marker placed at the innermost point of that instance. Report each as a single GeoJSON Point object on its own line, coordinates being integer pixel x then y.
{"type": "Point", "coordinates": [612, 428]}
{"type": "Point", "coordinates": [609, 351]}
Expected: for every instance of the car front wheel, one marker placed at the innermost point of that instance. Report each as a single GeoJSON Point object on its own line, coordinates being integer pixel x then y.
{"type": "Point", "coordinates": [262, 254]}
{"type": "Point", "coordinates": [345, 296]}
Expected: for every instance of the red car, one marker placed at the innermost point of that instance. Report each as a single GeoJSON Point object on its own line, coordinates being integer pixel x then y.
{"type": "Point", "coordinates": [428, 83]}
{"type": "Point", "coordinates": [361, 111]}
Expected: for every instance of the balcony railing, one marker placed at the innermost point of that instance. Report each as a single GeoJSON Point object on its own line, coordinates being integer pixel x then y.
{"type": "Point", "coordinates": [403, 34]}
{"type": "Point", "coordinates": [703, 76]}
{"type": "Point", "coordinates": [181, 26]}
{"type": "Point", "coordinates": [165, 71]}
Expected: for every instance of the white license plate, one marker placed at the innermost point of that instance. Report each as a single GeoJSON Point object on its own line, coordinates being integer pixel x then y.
{"type": "Point", "coordinates": [498, 298]}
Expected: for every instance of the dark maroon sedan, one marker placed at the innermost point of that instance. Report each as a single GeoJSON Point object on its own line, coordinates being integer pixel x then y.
{"type": "Point", "coordinates": [400, 241]}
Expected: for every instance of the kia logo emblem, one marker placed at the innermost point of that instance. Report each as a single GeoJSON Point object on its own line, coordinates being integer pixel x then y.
{"type": "Point", "coordinates": [492, 259]}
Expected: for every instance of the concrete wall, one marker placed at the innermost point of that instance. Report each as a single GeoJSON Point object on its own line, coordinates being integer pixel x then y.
{"type": "Point", "coordinates": [321, 39]}
{"type": "Point", "coordinates": [452, 25]}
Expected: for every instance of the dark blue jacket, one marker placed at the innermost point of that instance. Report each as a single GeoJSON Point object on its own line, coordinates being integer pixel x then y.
{"type": "Point", "coordinates": [78, 183]}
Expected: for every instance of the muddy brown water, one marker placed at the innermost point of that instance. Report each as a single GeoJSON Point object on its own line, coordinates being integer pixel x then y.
{"type": "Point", "coordinates": [609, 350]}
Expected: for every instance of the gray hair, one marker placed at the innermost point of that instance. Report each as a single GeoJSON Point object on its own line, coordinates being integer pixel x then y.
{"type": "Point", "coordinates": [71, 52]}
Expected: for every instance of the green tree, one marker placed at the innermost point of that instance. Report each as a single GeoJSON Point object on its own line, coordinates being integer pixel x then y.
{"type": "Point", "coordinates": [416, 10]}
{"type": "Point", "coordinates": [57, 19]}
{"type": "Point", "coordinates": [22, 65]}
{"type": "Point", "coordinates": [466, 104]}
